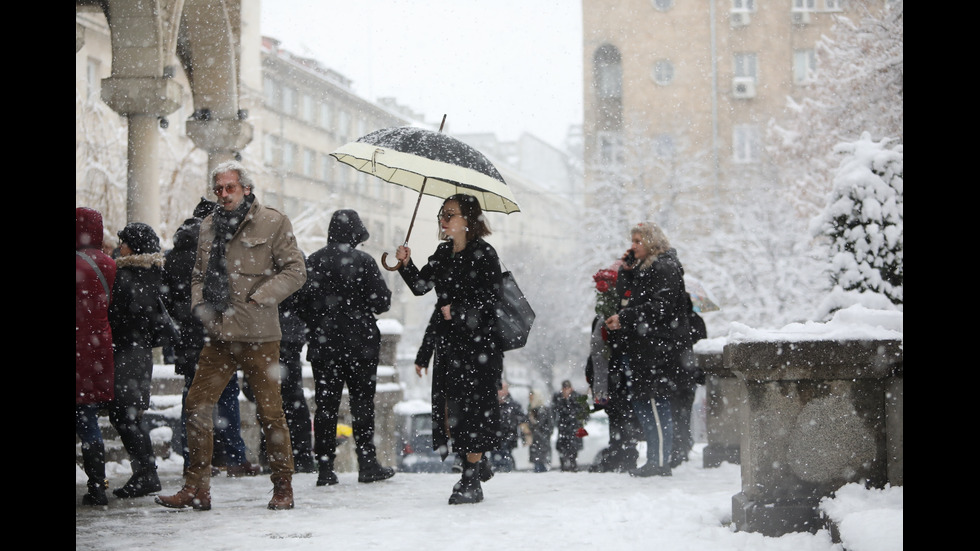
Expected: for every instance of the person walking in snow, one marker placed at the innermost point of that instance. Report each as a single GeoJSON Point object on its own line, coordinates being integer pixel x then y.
{"type": "Point", "coordinates": [566, 405]}
{"type": "Point", "coordinates": [247, 262]}
{"type": "Point", "coordinates": [465, 272]}
{"type": "Point", "coordinates": [342, 295]}
{"type": "Point", "coordinates": [134, 316]}
{"type": "Point", "coordinates": [229, 446]}
{"type": "Point", "coordinates": [95, 275]}
{"type": "Point", "coordinates": [650, 335]}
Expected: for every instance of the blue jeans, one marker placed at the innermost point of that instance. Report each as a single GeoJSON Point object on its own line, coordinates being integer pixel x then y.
{"type": "Point", "coordinates": [87, 424]}
{"type": "Point", "coordinates": [658, 426]}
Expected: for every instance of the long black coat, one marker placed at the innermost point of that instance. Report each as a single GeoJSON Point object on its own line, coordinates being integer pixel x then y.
{"type": "Point", "coordinates": [134, 317]}
{"type": "Point", "coordinates": [468, 358]}
{"type": "Point", "coordinates": [343, 292]}
{"type": "Point", "coordinates": [655, 332]}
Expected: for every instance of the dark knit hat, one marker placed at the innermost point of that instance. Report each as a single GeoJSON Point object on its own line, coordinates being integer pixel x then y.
{"type": "Point", "coordinates": [140, 237]}
{"type": "Point", "coordinates": [204, 208]}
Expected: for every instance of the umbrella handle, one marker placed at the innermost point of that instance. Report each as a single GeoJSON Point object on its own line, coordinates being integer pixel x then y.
{"type": "Point", "coordinates": [384, 263]}
{"type": "Point", "coordinates": [414, 214]}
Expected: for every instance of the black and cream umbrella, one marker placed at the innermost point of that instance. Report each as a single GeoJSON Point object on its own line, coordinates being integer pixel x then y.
{"type": "Point", "coordinates": [431, 163]}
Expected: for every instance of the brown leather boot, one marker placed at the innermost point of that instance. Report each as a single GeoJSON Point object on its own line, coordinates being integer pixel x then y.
{"type": "Point", "coordinates": [282, 492]}
{"type": "Point", "coordinates": [188, 496]}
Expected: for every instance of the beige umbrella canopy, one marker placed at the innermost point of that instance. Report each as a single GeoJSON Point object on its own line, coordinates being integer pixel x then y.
{"type": "Point", "coordinates": [431, 163]}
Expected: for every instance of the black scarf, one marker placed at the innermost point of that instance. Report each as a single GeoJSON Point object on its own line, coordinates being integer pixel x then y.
{"type": "Point", "coordinates": [216, 290]}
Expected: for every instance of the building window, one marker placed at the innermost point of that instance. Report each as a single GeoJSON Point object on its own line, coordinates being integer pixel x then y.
{"type": "Point", "coordinates": [269, 147]}
{"type": "Point", "coordinates": [663, 72]}
{"type": "Point", "coordinates": [93, 78]}
{"type": "Point", "coordinates": [743, 5]}
{"type": "Point", "coordinates": [289, 156]}
{"type": "Point", "coordinates": [663, 5]}
{"type": "Point", "coordinates": [326, 166]}
{"type": "Point", "coordinates": [746, 143]}
{"type": "Point", "coordinates": [343, 125]}
{"type": "Point", "coordinates": [309, 162]}
{"type": "Point", "coordinates": [270, 90]}
{"type": "Point", "coordinates": [804, 5]}
{"type": "Point", "coordinates": [326, 116]}
{"type": "Point", "coordinates": [611, 148]}
{"type": "Point", "coordinates": [833, 5]}
{"type": "Point", "coordinates": [308, 108]}
{"type": "Point", "coordinates": [289, 100]}
{"type": "Point", "coordinates": [664, 146]}
{"type": "Point", "coordinates": [609, 73]}
{"type": "Point", "coordinates": [804, 64]}
{"type": "Point", "coordinates": [746, 65]}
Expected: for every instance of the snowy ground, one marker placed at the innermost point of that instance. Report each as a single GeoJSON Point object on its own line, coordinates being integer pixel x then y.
{"type": "Point", "coordinates": [689, 511]}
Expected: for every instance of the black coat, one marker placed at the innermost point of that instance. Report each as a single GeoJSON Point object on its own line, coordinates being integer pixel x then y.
{"type": "Point", "coordinates": [343, 292]}
{"type": "Point", "coordinates": [177, 284]}
{"type": "Point", "coordinates": [567, 412]}
{"type": "Point", "coordinates": [655, 330]}
{"type": "Point", "coordinates": [468, 358]}
{"type": "Point", "coordinates": [134, 313]}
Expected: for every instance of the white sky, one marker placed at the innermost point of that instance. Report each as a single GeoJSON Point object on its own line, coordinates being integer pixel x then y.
{"type": "Point", "coordinates": [507, 66]}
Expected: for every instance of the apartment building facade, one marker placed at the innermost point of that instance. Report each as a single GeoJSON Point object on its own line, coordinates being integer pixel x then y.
{"type": "Point", "coordinates": [695, 80]}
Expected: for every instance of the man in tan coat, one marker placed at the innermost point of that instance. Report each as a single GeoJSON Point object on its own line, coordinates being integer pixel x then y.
{"type": "Point", "coordinates": [247, 263]}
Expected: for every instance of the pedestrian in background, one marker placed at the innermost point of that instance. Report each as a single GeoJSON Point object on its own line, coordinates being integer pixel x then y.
{"type": "Point", "coordinates": [95, 275]}
{"type": "Point", "coordinates": [515, 428]}
{"type": "Point", "coordinates": [339, 303]}
{"type": "Point", "coordinates": [652, 334]}
{"type": "Point", "coordinates": [567, 406]}
{"type": "Point", "coordinates": [540, 419]}
{"type": "Point", "coordinates": [135, 317]}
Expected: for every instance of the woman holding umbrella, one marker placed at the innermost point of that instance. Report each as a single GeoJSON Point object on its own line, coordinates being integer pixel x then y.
{"type": "Point", "coordinates": [465, 273]}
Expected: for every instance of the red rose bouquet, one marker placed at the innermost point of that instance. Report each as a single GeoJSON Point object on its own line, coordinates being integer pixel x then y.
{"type": "Point", "coordinates": [606, 302]}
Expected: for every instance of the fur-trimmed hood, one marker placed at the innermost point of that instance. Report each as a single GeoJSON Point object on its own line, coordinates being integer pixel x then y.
{"type": "Point", "coordinates": [141, 261]}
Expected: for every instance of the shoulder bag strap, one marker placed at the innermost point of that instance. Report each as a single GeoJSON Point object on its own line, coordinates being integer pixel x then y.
{"type": "Point", "coordinates": [98, 272]}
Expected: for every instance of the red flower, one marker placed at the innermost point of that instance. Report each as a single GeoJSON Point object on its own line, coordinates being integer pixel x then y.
{"type": "Point", "coordinates": [605, 280]}
{"type": "Point", "coordinates": [627, 293]}
{"type": "Point", "coordinates": [581, 432]}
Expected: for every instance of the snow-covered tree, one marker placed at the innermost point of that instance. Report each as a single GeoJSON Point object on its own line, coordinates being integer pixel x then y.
{"type": "Point", "coordinates": [857, 87]}
{"type": "Point", "coordinates": [864, 219]}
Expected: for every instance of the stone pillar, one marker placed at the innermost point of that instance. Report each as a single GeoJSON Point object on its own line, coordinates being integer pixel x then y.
{"type": "Point", "coordinates": [143, 100]}
{"type": "Point", "coordinates": [725, 400]}
{"type": "Point", "coordinates": [222, 139]}
{"type": "Point", "coordinates": [816, 420]}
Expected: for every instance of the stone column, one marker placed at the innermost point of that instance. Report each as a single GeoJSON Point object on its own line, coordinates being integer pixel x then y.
{"type": "Point", "coordinates": [143, 100]}
{"type": "Point", "coordinates": [816, 420]}
{"type": "Point", "coordinates": [725, 400]}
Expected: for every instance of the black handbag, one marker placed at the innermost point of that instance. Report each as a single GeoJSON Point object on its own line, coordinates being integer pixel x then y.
{"type": "Point", "coordinates": [514, 314]}
{"type": "Point", "coordinates": [166, 332]}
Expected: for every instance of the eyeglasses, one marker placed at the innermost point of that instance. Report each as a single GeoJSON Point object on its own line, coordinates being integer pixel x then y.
{"type": "Point", "coordinates": [446, 217]}
{"type": "Point", "coordinates": [227, 188]}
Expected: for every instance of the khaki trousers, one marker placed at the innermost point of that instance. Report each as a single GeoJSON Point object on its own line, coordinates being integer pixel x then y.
{"type": "Point", "coordinates": [259, 363]}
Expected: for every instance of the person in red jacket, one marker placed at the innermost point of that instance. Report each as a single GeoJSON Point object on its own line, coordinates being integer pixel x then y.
{"type": "Point", "coordinates": [95, 274]}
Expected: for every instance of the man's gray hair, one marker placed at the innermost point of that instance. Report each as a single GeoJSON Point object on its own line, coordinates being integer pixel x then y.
{"type": "Point", "coordinates": [236, 166]}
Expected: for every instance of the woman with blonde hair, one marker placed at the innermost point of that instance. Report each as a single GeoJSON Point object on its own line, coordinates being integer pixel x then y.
{"type": "Point", "coordinates": [650, 335]}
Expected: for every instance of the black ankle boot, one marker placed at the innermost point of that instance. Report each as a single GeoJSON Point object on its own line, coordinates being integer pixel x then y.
{"type": "Point", "coordinates": [468, 489]}
{"type": "Point", "coordinates": [326, 476]}
{"type": "Point", "coordinates": [96, 493]}
{"type": "Point", "coordinates": [142, 483]}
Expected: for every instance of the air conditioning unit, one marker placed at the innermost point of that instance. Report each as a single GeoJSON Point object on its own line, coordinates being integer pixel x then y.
{"type": "Point", "coordinates": [740, 18]}
{"type": "Point", "coordinates": [800, 17]}
{"type": "Point", "coordinates": [743, 87]}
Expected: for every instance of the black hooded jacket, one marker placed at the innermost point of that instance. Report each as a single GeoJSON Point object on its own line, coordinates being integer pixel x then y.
{"type": "Point", "coordinates": [177, 284]}
{"type": "Point", "coordinates": [343, 293]}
